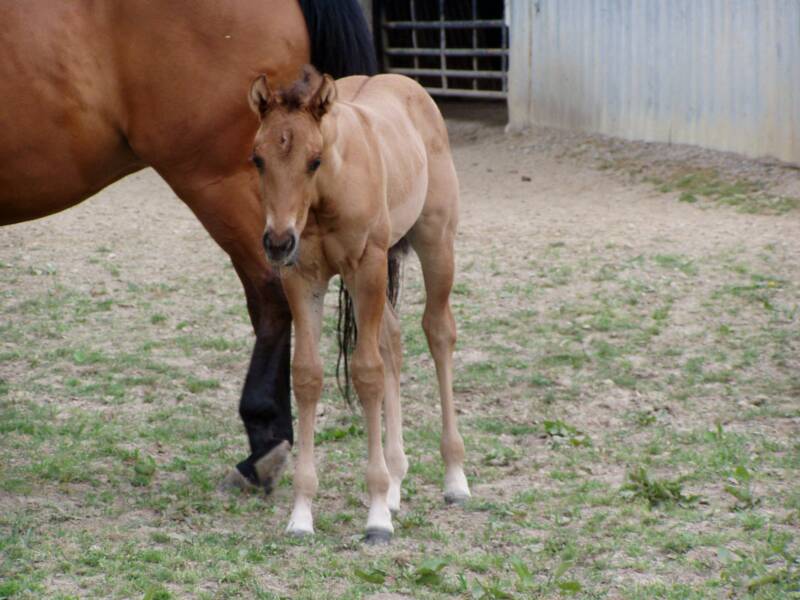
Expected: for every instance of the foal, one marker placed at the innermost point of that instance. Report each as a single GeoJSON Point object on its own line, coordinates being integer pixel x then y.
{"type": "Point", "coordinates": [348, 169]}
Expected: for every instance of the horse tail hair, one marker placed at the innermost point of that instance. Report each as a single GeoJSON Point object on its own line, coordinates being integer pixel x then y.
{"type": "Point", "coordinates": [346, 331]}
{"type": "Point", "coordinates": [341, 42]}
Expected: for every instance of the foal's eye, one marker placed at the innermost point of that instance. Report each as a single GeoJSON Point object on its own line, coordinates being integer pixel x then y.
{"type": "Point", "coordinates": [258, 162]}
{"type": "Point", "coordinates": [314, 165]}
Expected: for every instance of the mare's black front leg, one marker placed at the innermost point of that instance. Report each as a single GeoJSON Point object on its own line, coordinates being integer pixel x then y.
{"type": "Point", "coordinates": [266, 407]}
{"type": "Point", "coordinates": [230, 209]}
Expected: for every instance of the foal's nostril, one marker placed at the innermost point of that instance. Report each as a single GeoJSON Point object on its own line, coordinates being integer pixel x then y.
{"type": "Point", "coordinates": [289, 244]}
{"type": "Point", "coordinates": [279, 247]}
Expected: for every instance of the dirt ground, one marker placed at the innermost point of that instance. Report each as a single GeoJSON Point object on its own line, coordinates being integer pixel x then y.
{"type": "Point", "coordinates": [593, 306]}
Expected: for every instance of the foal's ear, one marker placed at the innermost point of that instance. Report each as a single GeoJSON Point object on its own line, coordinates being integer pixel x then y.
{"type": "Point", "coordinates": [261, 97]}
{"type": "Point", "coordinates": [323, 98]}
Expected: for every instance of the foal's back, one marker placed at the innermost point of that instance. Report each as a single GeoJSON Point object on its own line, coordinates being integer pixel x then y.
{"type": "Point", "coordinates": [409, 139]}
{"type": "Point", "coordinates": [389, 100]}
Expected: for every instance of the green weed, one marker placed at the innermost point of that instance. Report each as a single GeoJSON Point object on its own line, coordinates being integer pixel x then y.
{"type": "Point", "coordinates": [654, 491]}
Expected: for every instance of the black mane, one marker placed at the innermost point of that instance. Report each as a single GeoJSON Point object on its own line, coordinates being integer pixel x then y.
{"type": "Point", "coordinates": [341, 43]}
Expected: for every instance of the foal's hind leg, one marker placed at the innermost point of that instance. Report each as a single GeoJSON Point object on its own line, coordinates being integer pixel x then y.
{"type": "Point", "coordinates": [432, 239]}
{"type": "Point", "coordinates": [391, 352]}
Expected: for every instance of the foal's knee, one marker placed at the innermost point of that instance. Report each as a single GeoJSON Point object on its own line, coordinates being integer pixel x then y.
{"type": "Point", "coordinates": [368, 378]}
{"type": "Point", "coordinates": [307, 379]}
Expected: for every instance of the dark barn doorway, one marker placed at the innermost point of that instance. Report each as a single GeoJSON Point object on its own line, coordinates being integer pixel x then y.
{"type": "Point", "coordinates": [452, 47]}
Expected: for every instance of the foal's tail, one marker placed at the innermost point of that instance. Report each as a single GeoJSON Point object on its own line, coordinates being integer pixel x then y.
{"type": "Point", "coordinates": [341, 43]}
{"type": "Point", "coordinates": [346, 324]}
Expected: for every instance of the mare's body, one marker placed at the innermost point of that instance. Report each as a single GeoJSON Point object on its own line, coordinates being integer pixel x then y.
{"type": "Point", "coordinates": [93, 91]}
{"type": "Point", "coordinates": [350, 168]}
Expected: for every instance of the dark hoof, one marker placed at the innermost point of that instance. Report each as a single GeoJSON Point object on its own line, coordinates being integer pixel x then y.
{"type": "Point", "coordinates": [456, 499]}
{"type": "Point", "coordinates": [264, 473]}
{"type": "Point", "coordinates": [377, 537]}
{"type": "Point", "coordinates": [236, 481]}
{"type": "Point", "coordinates": [270, 467]}
{"type": "Point", "coordinates": [300, 534]}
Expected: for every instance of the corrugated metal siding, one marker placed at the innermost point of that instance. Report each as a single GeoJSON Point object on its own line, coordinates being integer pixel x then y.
{"type": "Point", "coordinates": [723, 74]}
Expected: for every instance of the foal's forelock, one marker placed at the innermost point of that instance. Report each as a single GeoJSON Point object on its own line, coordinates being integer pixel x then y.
{"type": "Point", "coordinates": [296, 97]}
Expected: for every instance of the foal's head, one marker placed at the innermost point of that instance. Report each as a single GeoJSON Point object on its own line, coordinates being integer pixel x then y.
{"type": "Point", "coordinates": [288, 152]}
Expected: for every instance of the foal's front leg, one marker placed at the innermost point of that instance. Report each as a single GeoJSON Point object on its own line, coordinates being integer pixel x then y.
{"type": "Point", "coordinates": [306, 301]}
{"type": "Point", "coordinates": [368, 287]}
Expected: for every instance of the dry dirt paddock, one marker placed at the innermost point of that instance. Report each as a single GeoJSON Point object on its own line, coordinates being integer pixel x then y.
{"type": "Point", "coordinates": [628, 383]}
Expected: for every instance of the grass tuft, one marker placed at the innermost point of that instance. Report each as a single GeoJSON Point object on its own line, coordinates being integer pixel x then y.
{"type": "Point", "coordinates": [656, 492]}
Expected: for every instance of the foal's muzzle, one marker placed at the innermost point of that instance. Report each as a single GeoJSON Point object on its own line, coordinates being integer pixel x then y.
{"type": "Point", "coordinates": [281, 249]}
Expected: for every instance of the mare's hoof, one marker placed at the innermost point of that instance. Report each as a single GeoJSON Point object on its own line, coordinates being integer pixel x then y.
{"type": "Point", "coordinates": [270, 467]}
{"type": "Point", "coordinates": [456, 499]}
{"type": "Point", "coordinates": [264, 473]}
{"type": "Point", "coordinates": [377, 537]}
{"type": "Point", "coordinates": [234, 480]}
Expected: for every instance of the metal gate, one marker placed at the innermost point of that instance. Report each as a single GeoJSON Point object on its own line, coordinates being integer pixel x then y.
{"type": "Point", "coordinates": [452, 47]}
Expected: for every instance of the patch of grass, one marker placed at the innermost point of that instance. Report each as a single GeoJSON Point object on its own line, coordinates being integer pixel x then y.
{"type": "Point", "coordinates": [559, 429]}
{"type": "Point", "coordinates": [195, 385]}
{"type": "Point", "coordinates": [656, 492]}
{"type": "Point", "coordinates": [336, 433]}
{"type": "Point", "coordinates": [746, 195]}
{"type": "Point", "coordinates": [676, 262]}
{"type": "Point", "coordinates": [761, 289]}
{"type": "Point", "coordinates": [576, 360]}
{"type": "Point", "coordinates": [739, 488]}
{"type": "Point", "coordinates": [144, 468]}
{"type": "Point", "coordinates": [500, 426]}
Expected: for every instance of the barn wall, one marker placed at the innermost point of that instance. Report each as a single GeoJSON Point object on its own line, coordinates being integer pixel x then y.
{"type": "Point", "coordinates": [723, 74]}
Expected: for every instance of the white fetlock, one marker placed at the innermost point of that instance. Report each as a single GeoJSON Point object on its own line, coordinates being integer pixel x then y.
{"type": "Point", "coordinates": [380, 518]}
{"type": "Point", "coordinates": [301, 522]}
{"type": "Point", "coordinates": [393, 495]}
{"type": "Point", "coordinates": [456, 488]}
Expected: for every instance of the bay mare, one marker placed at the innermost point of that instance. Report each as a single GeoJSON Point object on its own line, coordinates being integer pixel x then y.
{"type": "Point", "coordinates": [349, 170]}
{"type": "Point", "coordinates": [92, 91]}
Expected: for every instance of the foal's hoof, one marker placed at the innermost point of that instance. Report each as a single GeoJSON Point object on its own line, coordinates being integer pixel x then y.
{"type": "Point", "coordinates": [377, 537]}
{"type": "Point", "coordinates": [300, 534]}
{"type": "Point", "coordinates": [270, 467]}
{"type": "Point", "coordinates": [455, 499]}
